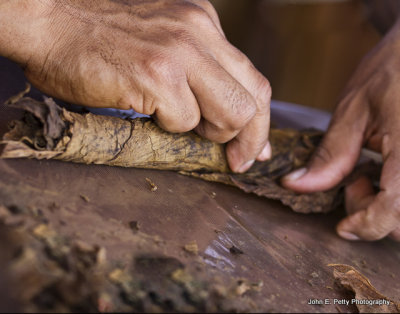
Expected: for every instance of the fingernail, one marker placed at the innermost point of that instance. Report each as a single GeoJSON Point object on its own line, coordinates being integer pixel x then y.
{"type": "Point", "coordinates": [348, 236]}
{"type": "Point", "coordinates": [295, 175]}
{"type": "Point", "coordinates": [246, 166]}
{"type": "Point", "coordinates": [266, 153]}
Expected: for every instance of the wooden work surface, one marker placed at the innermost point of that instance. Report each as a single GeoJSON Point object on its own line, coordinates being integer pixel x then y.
{"type": "Point", "coordinates": [286, 251]}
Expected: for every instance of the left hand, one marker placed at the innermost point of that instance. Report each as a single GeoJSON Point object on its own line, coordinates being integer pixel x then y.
{"type": "Point", "coordinates": [367, 115]}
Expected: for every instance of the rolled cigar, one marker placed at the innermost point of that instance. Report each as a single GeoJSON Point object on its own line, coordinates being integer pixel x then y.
{"type": "Point", "coordinates": [94, 139]}
{"type": "Point", "coordinates": [50, 132]}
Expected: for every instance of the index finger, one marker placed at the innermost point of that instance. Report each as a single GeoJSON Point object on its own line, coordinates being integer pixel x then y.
{"type": "Point", "coordinates": [252, 141]}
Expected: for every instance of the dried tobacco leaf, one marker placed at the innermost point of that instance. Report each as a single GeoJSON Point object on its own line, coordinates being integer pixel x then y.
{"type": "Point", "coordinates": [367, 298]}
{"type": "Point", "coordinates": [47, 131]}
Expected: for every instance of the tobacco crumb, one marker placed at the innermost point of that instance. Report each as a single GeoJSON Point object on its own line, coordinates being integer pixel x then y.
{"type": "Point", "coordinates": [85, 198]}
{"type": "Point", "coordinates": [181, 276]}
{"type": "Point", "coordinates": [134, 225]}
{"type": "Point", "coordinates": [314, 274]}
{"type": "Point", "coordinates": [157, 239]}
{"type": "Point", "coordinates": [53, 207]}
{"type": "Point", "coordinates": [43, 232]}
{"type": "Point", "coordinates": [153, 186]}
{"type": "Point", "coordinates": [192, 248]}
{"type": "Point", "coordinates": [242, 288]}
{"type": "Point", "coordinates": [117, 276]}
{"type": "Point", "coordinates": [285, 237]}
{"type": "Point", "coordinates": [364, 263]}
{"type": "Point", "coordinates": [235, 251]}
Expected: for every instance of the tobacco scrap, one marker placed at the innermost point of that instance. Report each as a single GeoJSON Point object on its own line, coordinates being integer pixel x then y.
{"type": "Point", "coordinates": [47, 131]}
{"type": "Point", "coordinates": [153, 186]}
{"type": "Point", "coordinates": [367, 298]}
{"type": "Point", "coordinates": [134, 225]}
{"type": "Point", "coordinates": [85, 198]}
{"type": "Point", "coordinates": [235, 251]}
{"type": "Point", "coordinates": [51, 272]}
{"type": "Point", "coordinates": [192, 247]}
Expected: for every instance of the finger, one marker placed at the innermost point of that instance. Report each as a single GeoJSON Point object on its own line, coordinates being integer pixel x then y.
{"type": "Point", "coordinates": [246, 146]}
{"type": "Point", "coordinates": [359, 195]}
{"type": "Point", "coordinates": [177, 111]}
{"type": "Point", "coordinates": [225, 105]}
{"type": "Point", "coordinates": [338, 153]}
{"type": "Point", "coordinates": [252, 141]}
{"type": "Point", "coordinates": [265, 153]}
{"type": "Point", "coordinates": [382, 216]}
{"type": "Point", "coordinates": [373, 223]}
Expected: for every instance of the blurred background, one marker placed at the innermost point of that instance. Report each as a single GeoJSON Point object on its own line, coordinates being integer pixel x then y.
{"type": "Point", "coordinates": [308, 49]}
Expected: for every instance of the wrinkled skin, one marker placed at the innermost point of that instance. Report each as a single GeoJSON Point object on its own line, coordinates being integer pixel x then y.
{"type": "Point", "coordinates": [166, 58]}
{"type": "Point", "coordinates": [367, 115]}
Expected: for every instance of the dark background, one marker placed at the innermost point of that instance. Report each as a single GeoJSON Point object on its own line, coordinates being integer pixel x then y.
{"type": "Point", "coordinates": [307, 49]}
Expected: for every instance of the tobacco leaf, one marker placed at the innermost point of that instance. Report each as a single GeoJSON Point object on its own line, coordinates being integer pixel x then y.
{"type": "Point", "coordinates": [354, 281]}
{"type": "Point", "coordinates": [47, 131]}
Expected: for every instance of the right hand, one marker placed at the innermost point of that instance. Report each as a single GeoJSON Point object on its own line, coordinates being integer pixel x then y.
{"type": "Point", "coordinates": [169, 59]}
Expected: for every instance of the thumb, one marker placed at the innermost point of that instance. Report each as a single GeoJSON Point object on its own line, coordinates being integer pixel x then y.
{"type": "Point", "coordinates": [335, 157]}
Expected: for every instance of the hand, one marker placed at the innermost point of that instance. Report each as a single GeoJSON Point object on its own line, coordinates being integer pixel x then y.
{"type": "Point", "coordinates": [367, 115]}
{"type": "Point", "coordinates": [169, 59]}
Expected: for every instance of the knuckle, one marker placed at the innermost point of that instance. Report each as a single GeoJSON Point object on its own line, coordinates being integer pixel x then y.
{"type": "Point", "coordinates": [149, 105]}
{"type": "Point", "coordinates": [389, 200]}
{"type": "Point", "coordinates": [377, 228]}
{"type": "Point", "coordinates": [240, 117]}
{"type": "Point", "coordinates": [322, 154]}
{"type": "Point", "coordinates": [163, 67]}
{"type": "Point", "coordinates": [208, 7]}
{"type": "Point", "coordinates": [263, 92]}
{"type": "Point", "coordinates": [242, 107]}
{"type": "Point", "coordinates": [373, 232]}
{"type": "Point", "coordinates": [127, 102]}
{"type": "Point", "coordinates": [373, 236]}
{"type": "Point", "coordinates": [196, 14]}
{"type": "Point", "coordinates": [185, 120]}
{"type": "Point", "coordinates": [189, 122]}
